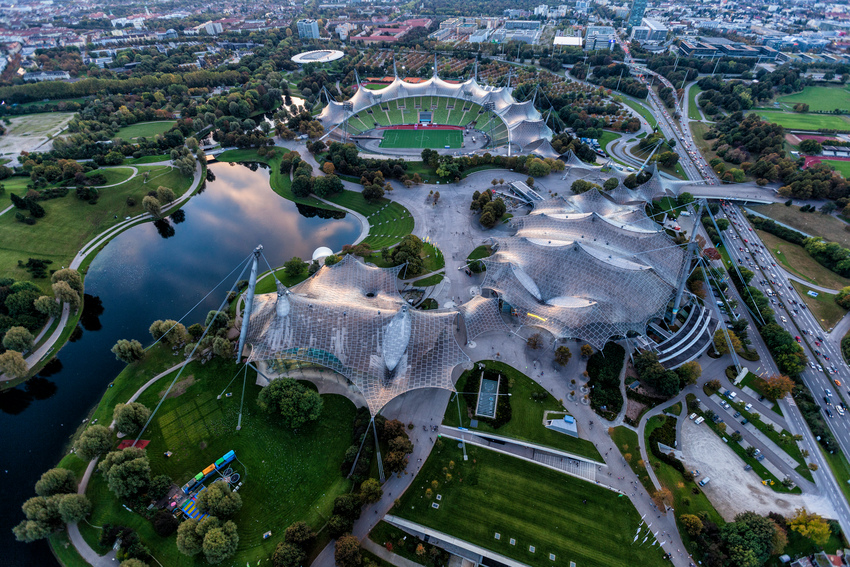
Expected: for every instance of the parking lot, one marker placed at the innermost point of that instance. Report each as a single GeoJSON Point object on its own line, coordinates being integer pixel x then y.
{"type": "Point", "coordinates": [733, 490]}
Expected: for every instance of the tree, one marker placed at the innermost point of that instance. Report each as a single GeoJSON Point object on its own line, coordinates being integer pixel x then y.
{"type": "Point", "coordinates": [189, 540]}
{"type": "Point", "coordinates": [218, 500]}
{"type": "Point", "coordinates": [19, 339]}
{"type": "Point", "coordinates": [535, 341]}
{"type": "Point", "coordinates": [56, 481]}
{"type": "Point", "coordinates": [347, 552]}
{"type": "Point", "coordinates": [216, 321]}
{"type": "Point", "coordinates": [690, 372]}
{"type": "Point", "coordinates": [70, 276]}
{"type": "Point", "coordinates": [74, 507]}
{"type": "Point", "coordinates": [133, 562]}
{"type": "Point", "coordinates": [370, 491]}
{"type": "Point", "coordinates": [48, 306]}
{"type": "Point", "coordinates": [163, 195]}
{"type": "Point", "coordinates": [299, 534]}
{"type": "Point", "coordinates": [373, 193]}
{"type": "Point", "coordinates": [296, 404]}
{"type": "Point", "coordinates": [693, 525]}
{"type": "Point", "coordinates": [294, 266]}
{"type": "Point", "coordinates": [152, 206]}
{"type": "Point", "coordinates": [809, 525]}
{"type": "Point", "coordinates": [12, 364]}
{"type": "Point", "coordinates": [778, 386]}
{"type": "Point", "coordinates": [328, 168]}
{"type": "Point", "coordinates": [127, 472]}
{"type": "Point", "coordinates": [662, 498]}
{"type": "Point", "coordinates": [287, 555]}
{"type": "Point", "coordinates": [843, 298]}
{"type": "Point", "coordinates": [586, 350]}
{"type": "Point", "coordinates": [65, 294]}
{"type": "Point", "coordinates": [160, 485]}
{"type": "Point", "coordinates": [722, 345]}
{"type": "Point", "coordinates": [409, 251]}
{"type": "Point", "coordinates": [94, 442]}
{"type": "Point", "coordinates": [128, 351]}
{"type": "Point", "coordinates": [130, 418]}
{"type": "Point", "coordinates": [563, 355]}
{"type": "Point", "coordinates": [811, 147]}
{"type": "Point", "coordinates": [220, 542]}
{"type": "Point", "coordinates": [538, 168]}
{"type": "Point", "coordinates": [749, 536]}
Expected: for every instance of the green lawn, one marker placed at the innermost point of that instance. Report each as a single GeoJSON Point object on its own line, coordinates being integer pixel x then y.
{"type": "Point", "coordinates": [693, 108]}
{"type": "Point", "coordinates": [375, 86]}
{"type": "Point", "coordinates": [841, 166]}
{"type": "Point", "coordinates": [626, 441]}
{"type": "Point", "coordinates": [526, 414]}
{"type": "Point", "coordinates": [113, 175]}
{"type": "Point", "coordinates": [65, 553]}
{"type": "Point", "coordinates": [795, 121]}
{"type": "Point", "coordinates": [608, 137]}
{"type": "Point", "coordinates": [824, 99]}
{"type": "Point", "coordinates": [494, 493]}
{"type": "Point", "coordinates": [284, 481]}
{"type": "Point", "coordinates": [823, 307]}
{"type": "Point", "coordinates": [643, 111]}
{"type": "Point", "coordinates": [70, 223]}
{"type": "Point", "coordinates": [796, 260]}
{"type": "Point", "coordinates": [145, 129]}
{"type": "Point", "coordinates": [148, 159]}
{"type": "Point", "coordinates": [430, 280]}
{"type": "Point", "coordinates": [422, 138]}
{"type": "Point", "coordinates": [816, 224]}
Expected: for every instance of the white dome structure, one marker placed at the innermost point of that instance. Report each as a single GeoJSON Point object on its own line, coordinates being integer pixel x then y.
{"type": "Point", "coordinates": [321, 253]}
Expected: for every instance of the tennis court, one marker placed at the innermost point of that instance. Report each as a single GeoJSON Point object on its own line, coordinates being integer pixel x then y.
{"type": "Point", "coordinates": [422, 138]}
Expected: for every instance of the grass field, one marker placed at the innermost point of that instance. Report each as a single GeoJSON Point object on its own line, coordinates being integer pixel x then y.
{"type": "Point", "coordinates": [526, 414]}
{"type": "Point", "coordinates": [284, 481]}
{"type": "Point", "coordinates": [389, 222]}
{"type": "Point", "coordinates": [494, 493]}
{"type": "Point", "coordinates": [816, 224]}
{"type": "Point", "coordinates": [823, 307]}
{"type": "Point", "coordinates": [795, 121]}
{"type": "Point", "coordinates": [841, 166]}
{"type": "Point", "coordinates": [608, 137]}
{"type": "Point", "coordinates": [626, 441]}
{"type": "Point", "coordinates": [643, 111]}
{"type": "Point", "coordinates": [147, 159]}
{"type": "Point", "coordinates": [796, 260]}
{"type": "Point", "coordinates": [65, 553]}
{"type": "Point", "coordinates": [70, 222]}
{"type": "Point", "coordinates": [422, 139]}
{"type": "Point", "coordinates": [693, 108]}
{"type": "Point", "coordinates": [819, 98]}
{"type": "Point", "coordinates": [145, 129]}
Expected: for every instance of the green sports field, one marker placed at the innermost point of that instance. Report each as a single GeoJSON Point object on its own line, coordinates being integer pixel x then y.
{"type": "Point", "coordinates": [422, 139]}
{"type": "Point", "coordinates": [819, 98]}
{"type": "Point", "coordinates": [794, 121]}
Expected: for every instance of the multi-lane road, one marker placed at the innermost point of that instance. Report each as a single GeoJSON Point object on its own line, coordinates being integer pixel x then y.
{"type": "Point", "coordinates": [746, 250]}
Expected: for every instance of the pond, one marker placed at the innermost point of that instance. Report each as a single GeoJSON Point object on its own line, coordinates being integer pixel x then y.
{"type": "Point", "coordinates": [147, 273]}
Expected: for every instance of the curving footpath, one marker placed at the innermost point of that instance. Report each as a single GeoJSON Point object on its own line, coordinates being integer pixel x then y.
{"type": "Point", "coordinates": [99, 240]}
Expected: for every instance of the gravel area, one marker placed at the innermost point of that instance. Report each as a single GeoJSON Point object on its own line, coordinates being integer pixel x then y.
{"type": "Point", "coordinates": [733, 490]}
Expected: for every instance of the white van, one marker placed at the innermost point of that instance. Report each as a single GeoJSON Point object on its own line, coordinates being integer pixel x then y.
{"type": "Point", "coordinates": [692, 416]}
{"type": "Point", "coordinates": [699, 420]}
{"type": "Point", "coordinates": [704, 481]}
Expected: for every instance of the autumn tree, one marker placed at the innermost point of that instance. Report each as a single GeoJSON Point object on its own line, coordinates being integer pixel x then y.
{"type": "Point", "coordinates": [662, 498]}
{"type": "Point", "coordinates": [13, 364]}
{"type": "Point", "coordinates": [777, 386]}
{"type": "Point", "coordinates": [535, 341]}
{"type": "Point", "coordinates": [347, 552]}
{"type": "Point", "coordinates": [690, 372]}
{"type": "Point", "coordinates": [563, 355]}
{"type": "Point", "coordinates": [586, 351]}
{"type": "Point", "coordinates": [693, 525]}
{"type": "Point", "coordinates": [809, 525]}
{"type": "Point", "coordinates": [721, 344]}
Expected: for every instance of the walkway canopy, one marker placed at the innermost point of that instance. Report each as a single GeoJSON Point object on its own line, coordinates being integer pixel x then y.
{"type": "Point", "coordinates": [350, 318]}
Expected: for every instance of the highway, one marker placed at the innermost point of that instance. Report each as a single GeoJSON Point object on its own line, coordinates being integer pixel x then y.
{"type": "Point", "coordinates": [746, 249]}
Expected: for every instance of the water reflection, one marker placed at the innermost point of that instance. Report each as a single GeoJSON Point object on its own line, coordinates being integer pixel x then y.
{"type": "Point", "coordinates": [137, 278]}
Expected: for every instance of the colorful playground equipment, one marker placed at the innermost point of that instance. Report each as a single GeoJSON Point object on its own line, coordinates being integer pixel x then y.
{"type": "Point", "coordinates": [190, 507]}
{"type": "Point", "coordinates": [204, 474]}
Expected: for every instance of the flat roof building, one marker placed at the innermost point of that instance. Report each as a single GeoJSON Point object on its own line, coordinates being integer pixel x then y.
{"type": "Point", "coordinates": [599, 37]}
{"type": "Point", "coordinates": [650, 31]}
{"type": "Point", "coordinates": [308, 29]}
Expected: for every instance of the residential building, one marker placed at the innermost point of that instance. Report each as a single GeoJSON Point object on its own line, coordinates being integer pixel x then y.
{"type": "Point", "coordinates": [308, 29]}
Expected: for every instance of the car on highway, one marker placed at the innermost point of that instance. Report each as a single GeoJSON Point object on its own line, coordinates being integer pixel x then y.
{"type": "Point", "coordinates": [837, 381]}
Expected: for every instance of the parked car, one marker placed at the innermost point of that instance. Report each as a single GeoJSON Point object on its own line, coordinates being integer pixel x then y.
{"type": "Point", "coordinates": [704, 481]}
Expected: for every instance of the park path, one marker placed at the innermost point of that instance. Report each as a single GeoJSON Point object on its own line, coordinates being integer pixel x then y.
{"type": "Point", "coordinates": [102, 238]}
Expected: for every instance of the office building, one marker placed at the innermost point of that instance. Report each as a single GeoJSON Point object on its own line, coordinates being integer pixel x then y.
{"type": "Point", "coordinates": [599, 37]}
{"type": "Point", "coordinates": [636, 15]}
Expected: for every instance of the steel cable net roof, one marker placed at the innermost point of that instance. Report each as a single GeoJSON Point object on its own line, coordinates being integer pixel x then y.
{"type": "Point", "coordinates": [585, 267]}
{"type": "Point", "coordinates": [481, 315]}
{"type": "Point", "coordinates": [350, 318]}
{"type": "Point", "coordinates": [525, 123]}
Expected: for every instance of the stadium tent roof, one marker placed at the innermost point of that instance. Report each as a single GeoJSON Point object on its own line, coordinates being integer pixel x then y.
{"type": "Point", "coordinates": [350, 318]}
{"type": "Point", "coordinates": [542, 148]}
{"type": "Point", "coordinates": [524, 122]}
{"type": "Point", "coordinates": [481, 315]}
{"type": "Point", "coordinates": [585, 267]}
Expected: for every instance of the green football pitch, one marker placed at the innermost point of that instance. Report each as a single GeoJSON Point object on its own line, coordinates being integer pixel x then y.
{"type": "Point", "coordinates": [422, 139]}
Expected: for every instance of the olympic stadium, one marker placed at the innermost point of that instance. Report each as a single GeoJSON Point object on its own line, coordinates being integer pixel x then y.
{"type": "Point", "coordinates": [451, 117]}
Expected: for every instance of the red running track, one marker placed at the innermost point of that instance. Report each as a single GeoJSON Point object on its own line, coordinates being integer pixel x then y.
{"type": "Point", "coordinates": [420, 127]}
{"type": "Point", "coordinates": [814, 160]}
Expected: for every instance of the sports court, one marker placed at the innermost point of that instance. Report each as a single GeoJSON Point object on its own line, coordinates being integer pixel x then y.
{"type": "Point", "coordinates": [422, 138]}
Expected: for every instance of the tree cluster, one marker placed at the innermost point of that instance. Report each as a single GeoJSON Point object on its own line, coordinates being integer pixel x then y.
{"type": "Point", "coordinates": [56, 504]}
